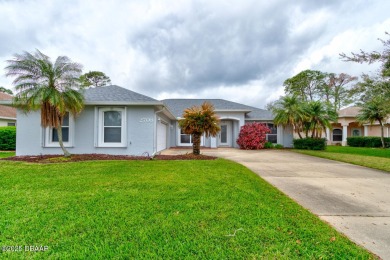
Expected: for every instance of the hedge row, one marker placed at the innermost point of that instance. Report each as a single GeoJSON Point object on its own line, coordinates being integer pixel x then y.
{"type": "Point", "coordinates": [8, 138]}
{"type": "Point", "coordinates": [310, 143]}
{"type": "Point", "coordinates": [367, 141]}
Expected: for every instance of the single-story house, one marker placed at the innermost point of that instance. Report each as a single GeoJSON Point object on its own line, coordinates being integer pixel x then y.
{"type": "Point", "coordinates": [116, 120]}
{"type": "Point", "coordinates": [7, 113]}
{"type": "Point", "coordinates": [348, 126]}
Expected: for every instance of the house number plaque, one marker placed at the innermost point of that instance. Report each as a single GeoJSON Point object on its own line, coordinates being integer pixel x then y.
{"type": "Point", "coordinates": [146, 120]}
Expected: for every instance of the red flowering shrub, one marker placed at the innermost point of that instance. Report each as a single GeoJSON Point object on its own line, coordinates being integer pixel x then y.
{"type": "Point", "coordinates": [253, 136]}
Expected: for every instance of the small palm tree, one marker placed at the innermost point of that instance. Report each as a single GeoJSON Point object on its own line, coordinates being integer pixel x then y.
{"type": "Point", "coordinates": [50, 87]}
{"type": "Point", "coordinates": [376, 109]}
{"type": "Point", "coordinates": [199, 120]}
{"type": "Point", "coordinates": [289, 111]}
{"type": "Point", "coordinates": [318, 117]}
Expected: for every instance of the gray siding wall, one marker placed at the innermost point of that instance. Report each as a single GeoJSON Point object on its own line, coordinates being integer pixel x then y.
{"type": "Point", "coordinates": [140, 134]}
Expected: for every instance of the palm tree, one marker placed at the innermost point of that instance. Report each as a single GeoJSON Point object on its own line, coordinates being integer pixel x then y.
{"type": "Point", "coordinates": [376, 109]}
{"type": "Point", "coordinates": [199, 120]}
{"type": "Point", "coordinates": [318, 117]}
{"type": "Point", "coordinates": [50, 87]}
{"type": "Point", "coordinates": [289, 111]}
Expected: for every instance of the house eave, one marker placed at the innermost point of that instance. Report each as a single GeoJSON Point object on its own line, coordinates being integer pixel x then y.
{"type": "Point", "coordinates": [6, 102]}
{"type": "Point", "coordinates": [8, 118]}
{"type": "Point", "coordinates": [233, 110]}
{"type": "Point", "coordinates": [259, 119]}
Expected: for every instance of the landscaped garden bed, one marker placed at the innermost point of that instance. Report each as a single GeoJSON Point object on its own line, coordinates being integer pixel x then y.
{"type": "Point", "coordinates": [93, 157]}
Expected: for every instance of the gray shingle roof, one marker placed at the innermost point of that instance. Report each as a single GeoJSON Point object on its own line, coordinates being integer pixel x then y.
{"type": "Point", "coordinates": [177, 106]}
{"type": "Point", "coordinates": [115, 94]}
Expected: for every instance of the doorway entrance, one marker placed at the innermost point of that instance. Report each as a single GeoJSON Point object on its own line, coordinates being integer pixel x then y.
{"type": "Point", "coordinates": [225, 136]}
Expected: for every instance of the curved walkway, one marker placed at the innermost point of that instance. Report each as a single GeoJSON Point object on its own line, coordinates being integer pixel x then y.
{"type": "Point", "coordinates": [353, 199]}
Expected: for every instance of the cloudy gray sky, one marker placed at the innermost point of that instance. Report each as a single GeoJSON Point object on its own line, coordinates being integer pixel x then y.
{"type": "Point", "coordinates": [236, 50]}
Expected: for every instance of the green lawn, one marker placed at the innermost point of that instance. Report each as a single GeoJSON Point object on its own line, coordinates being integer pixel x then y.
{"type": "Point", "coordinates": [6, 154]}
{"type": "Point", "coordinates": [376, 158]}
{"type": "Point", "coordinates": [157, 209]}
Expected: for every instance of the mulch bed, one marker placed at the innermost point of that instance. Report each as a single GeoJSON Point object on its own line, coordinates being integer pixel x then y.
{"type": "Point", "coordinates": [99, 157]}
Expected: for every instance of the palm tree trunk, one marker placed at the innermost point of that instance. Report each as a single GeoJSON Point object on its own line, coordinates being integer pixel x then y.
{"type": "Point", "coordinates": [196, 144]}
{"type": "Point", "coordinates": [59, 132]}
{"type": "Point", "coordinates": [297, 129]}
{"type": "Point", "coordinates": [382, 134]}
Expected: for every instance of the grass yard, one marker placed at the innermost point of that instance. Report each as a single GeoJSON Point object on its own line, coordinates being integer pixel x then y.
{"type": "Point", "coordinates": [157, 209]}
{"type": "Point", "coordinates": [376, 158]}
{"type": "Point", "coordinates": [6, 154]}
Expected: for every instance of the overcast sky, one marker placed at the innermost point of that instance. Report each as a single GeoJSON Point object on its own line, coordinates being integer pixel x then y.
{"type": "Point", "coordinates": [236, 50]}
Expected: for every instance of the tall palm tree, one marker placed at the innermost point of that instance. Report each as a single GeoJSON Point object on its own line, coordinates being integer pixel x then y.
{"type": "Point", "coordinates": [289, 111]}
{"type": "Point", "coordinates": [199, 120]}
{"type": "Point", "coordinates": [319, 117]}
{"type": "Point", "coordinates": [51, 87]}
{"type": "Point", "coordinates": [376, 109]}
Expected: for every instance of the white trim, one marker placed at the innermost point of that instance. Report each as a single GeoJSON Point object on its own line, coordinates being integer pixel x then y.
{"type": "Point", "coordinates": [48, 135]}
{"type": "Point", "coordinates": [101, 127]}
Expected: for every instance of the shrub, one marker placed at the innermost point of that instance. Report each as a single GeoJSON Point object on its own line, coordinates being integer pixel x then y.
{"type": "Point", "coordinates": [8, 138]}
{"type": "Point", "coordinates": [367, 141]}
{"type": "Point", "coordinates": [310, 143]}
{"type": "Point", "coordinates": [278, 146]}
{"type": "Point", "coordinates": [268, 145]}
{"type": "Point", "coordinates": [252, 136]}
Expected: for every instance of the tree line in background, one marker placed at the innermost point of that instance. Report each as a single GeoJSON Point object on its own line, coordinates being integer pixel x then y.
{"type": "Point", "coordinates": [312, 98]}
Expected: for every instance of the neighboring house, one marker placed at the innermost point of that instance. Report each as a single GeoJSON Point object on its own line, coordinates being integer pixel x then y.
{"type": "Point", "coordinates": [348, 126]}
{"type": "Point", "coordinates": [116, 120]}
{"type": "Point", "coordinates": [7, 113]}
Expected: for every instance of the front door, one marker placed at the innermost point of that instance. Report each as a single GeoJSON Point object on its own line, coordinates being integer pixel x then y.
{"type": "Point", "coordinates": [225, 136]}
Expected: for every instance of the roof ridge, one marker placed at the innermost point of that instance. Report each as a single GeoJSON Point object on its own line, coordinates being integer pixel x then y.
{"type": "Point", "coordinates": [200, 99]}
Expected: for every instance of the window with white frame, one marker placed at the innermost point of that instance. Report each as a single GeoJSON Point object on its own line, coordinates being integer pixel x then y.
{"type": "Point", "coordinates": [186, 139]}
{"type": "Point", "coordinates": [112, 127]}
{"type": "Point", "coordinates": [273, 135]}
{"type": "Point", "coordinates": [51, 134]}
{"type": "Point", "coordinates": [337, 135]}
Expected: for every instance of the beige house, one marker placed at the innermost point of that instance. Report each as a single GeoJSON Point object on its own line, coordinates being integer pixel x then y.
{"type": "Point", "coordinates": [7, 113]}
{"type": "Point", "coordinates": [348, 126]}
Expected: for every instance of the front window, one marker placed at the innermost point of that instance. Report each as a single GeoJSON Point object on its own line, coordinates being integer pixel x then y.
{"type": "Point", "coordinates": [337, 135]}
{"type": "Point", "coordinates": [11, 124]}
{"type": "Point", "coordinates": [65, 131]}
{"type": "Point", "coordinates": [112, 127]}
{"type": "Point", "coordinates": [273, 136]}
{"type": "Point", "coordinates": [186, 139]}
{"type": "Point", "coordinates": [356, 132]}
{"type": "Point", "coordinates": [51, 134]}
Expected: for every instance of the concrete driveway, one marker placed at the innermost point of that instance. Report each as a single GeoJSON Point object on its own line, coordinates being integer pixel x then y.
{"type": "Point", "coordinates": [353, 199]}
